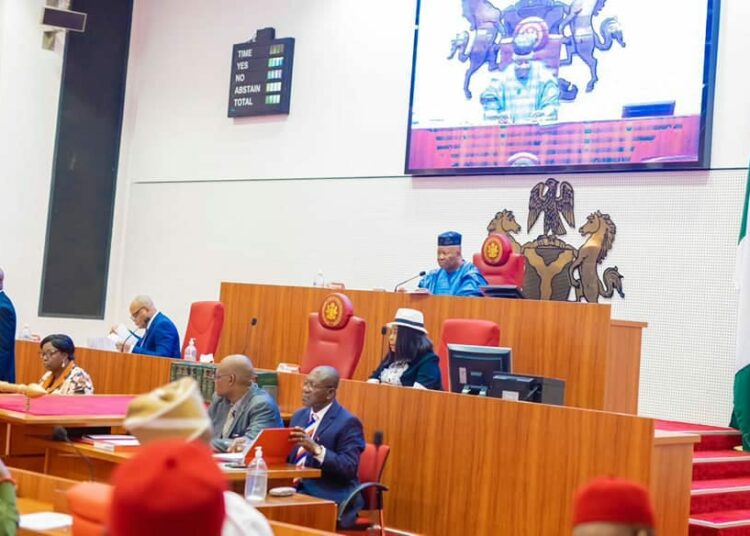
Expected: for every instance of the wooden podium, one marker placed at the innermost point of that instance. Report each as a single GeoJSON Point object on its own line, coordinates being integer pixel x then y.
{"type": "Point", "coordinates": [598, 357]}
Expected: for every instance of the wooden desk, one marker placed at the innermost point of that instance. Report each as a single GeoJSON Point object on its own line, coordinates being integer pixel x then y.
{"type": "Point", "coordinates": [300, 510]}
{"type": "Point", "coordinates": [671, 476]}
{"type": "Point", "coordinates": [598, 357]}
{"type": "Point", "coordinates": [461, 464]}
{"type": "Point", "coordinates": [468, 465]}
{"type": "Point", "coordinates": [64, 460]}
{"type": "Point", "coordinates": [41, 493]}
{"type": "Point", "coordinates": [44, 493]}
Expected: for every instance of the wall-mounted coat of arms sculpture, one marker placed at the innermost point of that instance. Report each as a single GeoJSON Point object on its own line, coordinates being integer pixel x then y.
{"type": "Point", "coordinates": [553, 266]}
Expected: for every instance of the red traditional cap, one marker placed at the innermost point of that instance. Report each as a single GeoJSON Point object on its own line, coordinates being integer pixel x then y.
{"type": "Point", "coordinates": [169, 487]}
{"type": "Point", "coordinates": [613, 500]}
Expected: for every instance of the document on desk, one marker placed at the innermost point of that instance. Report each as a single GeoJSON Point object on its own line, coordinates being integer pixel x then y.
{"type": "Point", "coordinates": [229, 457]}
{"type": "Point", "coordinates": [45, 521]}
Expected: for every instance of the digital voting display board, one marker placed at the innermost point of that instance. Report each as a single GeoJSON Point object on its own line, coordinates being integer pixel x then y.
{"type": "Point", "coordinates": [261, 75]}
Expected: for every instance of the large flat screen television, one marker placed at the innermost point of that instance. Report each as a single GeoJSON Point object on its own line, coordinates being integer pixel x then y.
{"type": "Point", "coordinates": [530, 86]}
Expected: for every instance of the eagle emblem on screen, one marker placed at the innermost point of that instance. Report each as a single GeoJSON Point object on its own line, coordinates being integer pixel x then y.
{"type": "Point", "coordinates": [528, 47]}
{"type": "Point", "coordinates": [555, 268]}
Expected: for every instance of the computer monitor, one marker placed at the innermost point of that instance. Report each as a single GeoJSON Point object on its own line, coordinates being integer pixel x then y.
{"type": "Point", "coordinates": [472, 367]}
{"type": "Point", "coordinates": [528, 388]}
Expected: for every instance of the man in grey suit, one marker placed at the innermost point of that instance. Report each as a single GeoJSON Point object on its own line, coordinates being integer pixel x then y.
{"type": "Point", "coordinates": [239, 409]}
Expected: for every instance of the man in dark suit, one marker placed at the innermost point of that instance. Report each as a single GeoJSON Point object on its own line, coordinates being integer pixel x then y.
{"type": "Point", "coordinates": [239, 409]}
{"type": "Point", "coordinates": [161, 337]}
{"type": "Point", "coordinates": [7, 335]}
{"type": "Point", "coordinates": [330, 438]}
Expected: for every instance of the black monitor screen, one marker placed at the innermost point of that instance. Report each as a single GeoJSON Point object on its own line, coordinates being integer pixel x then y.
{"type": "Point", "coordinates": [523, 388]}
{"type": "Point", "coordinates": [528, 389]}
{"type": "Point", "coordinates": [472, 367]}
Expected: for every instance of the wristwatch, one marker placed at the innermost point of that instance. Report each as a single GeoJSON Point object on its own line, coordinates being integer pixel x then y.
{"type": "Point", "coordinates": [318, 450]}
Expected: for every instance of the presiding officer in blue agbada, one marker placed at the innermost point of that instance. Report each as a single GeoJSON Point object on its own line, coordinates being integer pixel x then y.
{"type": "Point", "coordinates": [456, 276]}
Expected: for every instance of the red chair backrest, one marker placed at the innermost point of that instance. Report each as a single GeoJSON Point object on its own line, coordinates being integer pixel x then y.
{"type": "Point", "coordinates": [335, 337]}
{"type": "Point", "coordinates": [89, 504]}
{"type": "Point", "coordinates": [510, 273]}
{"type": "Point", "coordinates": [371, 466]}
{"type": "Point", "coordinates": [464, 331]}
{"type": "Point", "coordinates": [205, 324]}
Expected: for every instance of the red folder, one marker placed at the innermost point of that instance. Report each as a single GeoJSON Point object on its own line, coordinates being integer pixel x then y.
{"type": "Point", "coordinates": [275, 443]}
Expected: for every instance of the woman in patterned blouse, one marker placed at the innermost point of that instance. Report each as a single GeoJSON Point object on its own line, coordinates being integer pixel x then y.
{"type": "Point", "coordinates": [411, 360]}
{"type": "Point", "coordinates": [63, 376]}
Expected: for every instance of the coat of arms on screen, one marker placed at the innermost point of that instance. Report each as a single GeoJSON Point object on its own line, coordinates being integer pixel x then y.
{"type": "Point", "coordinates": [533, 40]}
{"type": "Point", "coordinates": [554, 267]}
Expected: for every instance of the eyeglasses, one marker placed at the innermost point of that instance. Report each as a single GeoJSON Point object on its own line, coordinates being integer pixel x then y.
{"type": "Point", "coordinates": [48, 354]}
{"type": "Point", "coordinates": [135, 315]}
{"type": "Point", "coordinates": [309, 384]}
{"type": "Point", "coordinates": [220, 376]}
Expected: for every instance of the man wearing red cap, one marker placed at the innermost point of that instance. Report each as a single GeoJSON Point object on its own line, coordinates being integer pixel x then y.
{"type": "Point", "coordinates": [613, 507]}
{"type": "Point", "coordinates": [170, 487]}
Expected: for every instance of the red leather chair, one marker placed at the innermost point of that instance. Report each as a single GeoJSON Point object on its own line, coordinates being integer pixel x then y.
{"type": "Point", "coordinates": [464, 331]}
{"type": "Point", "coordinates": [371, 466]}
{"type": "Point", "coordinates": [498, 264]}
{"type": "Point", "coordinates": [205, 324]}
{"type": "Point", "coordinates": [335, 336]}
{"type": "Point", "coordinates": [89, 506]}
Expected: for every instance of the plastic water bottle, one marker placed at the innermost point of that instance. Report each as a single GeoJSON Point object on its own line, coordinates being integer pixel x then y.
{"type": "Point", "coordinates": [26, 333]}
{"type": "Point", "coordinates": [256, 481]}
{"type": "Point", "coordinates": [319, 280]}
{"type": "Point", "coordinates": [191, 354]}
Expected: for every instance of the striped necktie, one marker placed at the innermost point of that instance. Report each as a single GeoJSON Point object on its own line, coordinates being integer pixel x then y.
{"type": "Point", "coordinates": [301, 457]}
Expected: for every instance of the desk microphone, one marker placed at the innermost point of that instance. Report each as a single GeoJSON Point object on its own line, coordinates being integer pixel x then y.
{"type": "Point", "coordinates": [61, 434]}
{"type": "Point", "coordinates": [383, 332]}
{"type": "Point", "coordinates": [248, 334]}
{"type": "Point", "coordinates": [420, 274]}
{"type": "Point", "coordinates": [377, 440]}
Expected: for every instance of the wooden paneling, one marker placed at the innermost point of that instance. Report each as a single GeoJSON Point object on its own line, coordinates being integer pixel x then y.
{"type": "Point", "coordinates": [671, 477]}
{"type": "Point", "coordinates": [44, 493]}
{"type": "Point", "coordinates": [563, 340]}
{"type": "Point", "coordinates": [43, 488]}
{"type": "Point", "coordinates": [468, 465]}
{"type": "Point", "coordinates": [623, 369]}
{"type": "Point", "coordinates": [300, 510]}
{"type": "Point", "coordinates": [112, 373]}
{"type": "Point", "coordinates": [286, 529]}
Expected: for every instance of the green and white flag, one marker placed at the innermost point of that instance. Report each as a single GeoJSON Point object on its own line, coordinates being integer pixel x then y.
{"type": "Point", "coordinates": [741, 413]}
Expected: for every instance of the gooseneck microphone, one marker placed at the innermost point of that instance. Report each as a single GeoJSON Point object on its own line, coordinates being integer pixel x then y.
{"type": "Point", "coordinates": [249, 334]}
{"type": "Point", "coordinates": [61, 434]}
{"type": "Point", "coordinates": [383, 332]}
{"type": "Point", "coordinates": [377, 441]}
{"type": "Point", "coordinates": [420, 274]}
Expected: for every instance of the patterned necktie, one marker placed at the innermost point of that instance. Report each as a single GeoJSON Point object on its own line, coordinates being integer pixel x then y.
{"type": "Point", "coordinates": [301, 457]}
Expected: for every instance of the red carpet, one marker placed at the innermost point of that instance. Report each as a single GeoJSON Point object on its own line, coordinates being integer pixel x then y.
{"type": "Point", "coordinates": [720, 496]}
{"type": "Point", "coordinates": [68, 405]}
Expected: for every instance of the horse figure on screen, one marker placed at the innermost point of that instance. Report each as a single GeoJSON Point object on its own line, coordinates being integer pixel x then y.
{"type": "Point", "coordinates": [601, 231]}
{"type": "Point", "coordinates": [583, 40]}
{"type": "Point", "coordinates": [484, 20]}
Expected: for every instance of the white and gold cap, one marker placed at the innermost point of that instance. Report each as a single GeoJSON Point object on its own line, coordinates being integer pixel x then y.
{"type": "Point", "coordinates": [175, 410]}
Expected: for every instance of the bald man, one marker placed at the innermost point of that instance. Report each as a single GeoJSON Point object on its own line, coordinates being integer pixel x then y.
{"type": "Point", "coordinates": [239, 408]}
{"type": "Point", "coordinates": [330, 438]}
{"type": "Point", "coordinates": [7, 335]}
{"type": "Point", "coordinates": [161, 337]}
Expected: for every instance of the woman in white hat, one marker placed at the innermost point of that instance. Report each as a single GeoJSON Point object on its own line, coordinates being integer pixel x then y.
{"type": "Point", "coordinates": [411, 360]}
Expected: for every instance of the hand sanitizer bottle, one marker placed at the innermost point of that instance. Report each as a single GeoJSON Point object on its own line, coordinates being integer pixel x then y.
{"type": "Point", "coordinates": [191, 354]}
{"type": "Point", "coordinates": [256, 481]}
